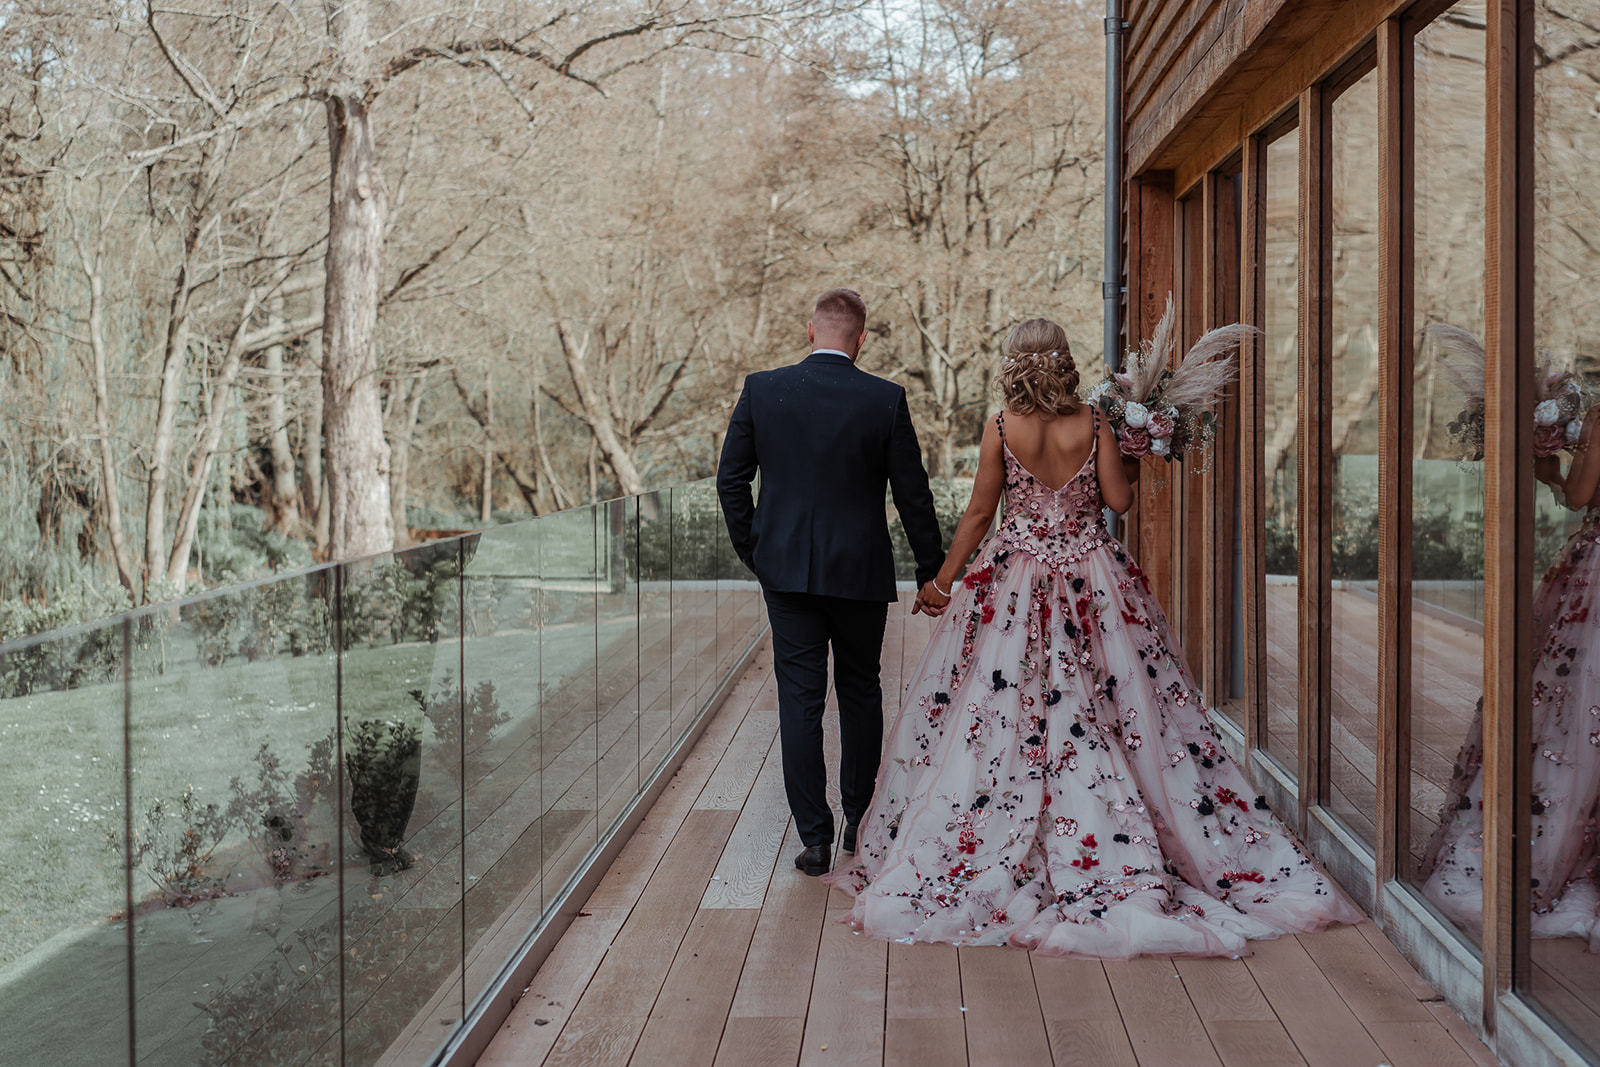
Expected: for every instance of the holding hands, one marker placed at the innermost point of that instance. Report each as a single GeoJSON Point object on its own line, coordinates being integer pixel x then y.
{"type": "Point", "coordinates": [931, 600]}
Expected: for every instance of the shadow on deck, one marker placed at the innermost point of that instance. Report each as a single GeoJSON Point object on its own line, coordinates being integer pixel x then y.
{"type": "Point", "coordinates": [703, 945]}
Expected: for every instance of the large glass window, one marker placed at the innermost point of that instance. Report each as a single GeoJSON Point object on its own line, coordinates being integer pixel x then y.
{"type": "Point", "coordinates": [1353, 452]}
{"type": "Point", "coordinates": [1280, 316]}
{"type": "Point", "coordinates": [1447, 477]}
{"type": "Point", "coordinates": [1563, 720]}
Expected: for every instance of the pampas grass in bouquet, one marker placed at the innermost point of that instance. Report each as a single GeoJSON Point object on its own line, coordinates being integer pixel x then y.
{"type": "Point", "coordinates": [1157, 409]}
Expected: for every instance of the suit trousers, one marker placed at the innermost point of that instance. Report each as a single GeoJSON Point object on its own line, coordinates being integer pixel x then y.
{"type": "Point", "coordinates": [804, 627]}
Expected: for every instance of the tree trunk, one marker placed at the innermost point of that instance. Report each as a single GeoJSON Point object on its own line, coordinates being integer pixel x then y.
{"type": "Point", "coordinates": [284, 505]}
{"type": "Point", "coordinates": [316, 483]}
{"type": "Point", "coordinates": [102, 419]}
{"type": "Point", "coordinates": [210, 440]}
{"type": "Point", "coordinates": [487, 505]}
{"type": "Point", "coordinates": [360, 522]}
{"type": "Point", "coordinates": [602, 424]}
{"type": "Point", "coordinates": [402, 460]}
{"type": "Point", "coordinates": [174, 360]}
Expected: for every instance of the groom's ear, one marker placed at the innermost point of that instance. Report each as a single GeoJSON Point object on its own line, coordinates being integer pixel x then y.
{"type": "Point", "coordinates": [811, 333]}
{"type": "Point", "coordinates": [861, 340]}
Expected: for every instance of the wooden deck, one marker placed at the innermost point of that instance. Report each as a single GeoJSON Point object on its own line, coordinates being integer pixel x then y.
{"type": "Point", "coordinates": [703, 945]}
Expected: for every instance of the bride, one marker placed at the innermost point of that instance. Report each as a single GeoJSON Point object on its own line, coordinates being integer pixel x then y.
{"type": "Point", "coordinates": [1051, 781]}
{"type": "Point", "coordinates": [1564, 853]}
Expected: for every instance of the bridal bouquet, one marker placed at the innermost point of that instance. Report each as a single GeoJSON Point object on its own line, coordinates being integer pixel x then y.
{"type": "Point", "coordinates": [1558, 402]}
{"type": "Point", "coordinates": [1157, 409]}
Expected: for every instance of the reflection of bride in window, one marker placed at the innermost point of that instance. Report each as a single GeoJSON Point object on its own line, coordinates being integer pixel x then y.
{"type": "Point", "coordinates": [1565, 869]}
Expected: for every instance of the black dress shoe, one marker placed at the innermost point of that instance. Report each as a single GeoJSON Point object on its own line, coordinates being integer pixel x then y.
{"type": "Point", "coordinates": [813, 861]}
{"type": "Point", "coordinates": [848, 841]}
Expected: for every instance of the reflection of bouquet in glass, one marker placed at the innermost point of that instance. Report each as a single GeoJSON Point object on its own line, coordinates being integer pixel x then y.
{"type": "Point", "coordinates": [1157, 409]}
{"type": "Point", "coordinates": [1558, 402]}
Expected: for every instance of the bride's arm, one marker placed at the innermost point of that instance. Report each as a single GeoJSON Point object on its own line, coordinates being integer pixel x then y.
{"type": "Point", "coordinates": [1115, 487]}
{"type": "Point", "coordinates": [986, 488]}
{"type": "Point", "coordinates": [1584, 473]}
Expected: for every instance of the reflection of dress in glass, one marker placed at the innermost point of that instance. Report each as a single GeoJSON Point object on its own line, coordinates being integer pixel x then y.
{"type": "Point", "coordinates": [1566, 765]}
{"type": "Point", "coordinates": [1052, 781]}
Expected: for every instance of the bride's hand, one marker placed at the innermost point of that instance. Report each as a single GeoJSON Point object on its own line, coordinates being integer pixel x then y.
{"type": "Point", "coordinates": [1548, 470]}
{"type": "Point", "coordinates": [930, 601]}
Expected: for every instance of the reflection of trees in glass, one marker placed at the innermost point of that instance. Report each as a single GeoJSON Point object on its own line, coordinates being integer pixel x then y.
{"type": "Point", "coordinates": [1447, 271]}
{"type": "Point", "coordinates": [1566, 196]}
{"type": "Point", "coordinates": [1279, 321]}
{"type": "Point", "coordinates": [1356, 194]}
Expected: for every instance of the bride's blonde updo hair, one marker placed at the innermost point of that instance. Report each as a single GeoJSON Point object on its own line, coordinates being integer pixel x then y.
{"type": "Point", "coordinates": [1037, 375]}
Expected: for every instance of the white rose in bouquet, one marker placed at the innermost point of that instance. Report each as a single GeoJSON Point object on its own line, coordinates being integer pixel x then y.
{"type": "Point", "coordinates": [1574, 431]}
{"type": "Point", "coordinates": [1136, 415]}
{"type": "Point", "coordinates": [1160, 446]}
{"type": "Point", "coordinates": [1547, 413]}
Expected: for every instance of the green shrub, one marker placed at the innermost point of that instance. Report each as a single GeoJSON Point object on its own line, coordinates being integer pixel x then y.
{"type": "Point", "coordinates": [174, 844]}
{"type": "Point", "coordinates": [446, 711]}
{"type": "Point", "coordinates": [65, 661]}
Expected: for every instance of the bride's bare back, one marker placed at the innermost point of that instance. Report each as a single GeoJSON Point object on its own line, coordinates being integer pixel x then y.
{"type": "Point", "coordinates": [1053, 450]}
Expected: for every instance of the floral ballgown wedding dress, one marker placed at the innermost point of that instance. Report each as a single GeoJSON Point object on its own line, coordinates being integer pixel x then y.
{"type": "Point", "coordinates": [1566, 766]}
{"type": "Point", "coordinates": [1051, 781]}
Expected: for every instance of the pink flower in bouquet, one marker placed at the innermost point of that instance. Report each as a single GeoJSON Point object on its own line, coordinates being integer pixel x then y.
{"type": "Point", "coordinates": [1132, 442]}
{"type": "Point", "coordinates": [1548, 440]}
{"type": "Point", "coordinates": [1161, 424]}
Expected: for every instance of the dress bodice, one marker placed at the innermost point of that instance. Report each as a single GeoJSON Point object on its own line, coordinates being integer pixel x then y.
{"type": "Point", "coordinates": [1054, 525]}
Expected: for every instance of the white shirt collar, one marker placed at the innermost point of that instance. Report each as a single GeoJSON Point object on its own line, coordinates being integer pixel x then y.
{"type": "Point", "coordinates": [831, 352]}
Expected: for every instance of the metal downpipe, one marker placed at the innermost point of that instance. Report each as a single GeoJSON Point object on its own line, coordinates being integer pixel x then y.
{"type": "Point", "coordinates": [1111, 288]}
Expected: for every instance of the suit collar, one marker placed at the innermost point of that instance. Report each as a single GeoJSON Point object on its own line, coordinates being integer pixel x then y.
{"type": "Point", "coordinates": [830, 355]}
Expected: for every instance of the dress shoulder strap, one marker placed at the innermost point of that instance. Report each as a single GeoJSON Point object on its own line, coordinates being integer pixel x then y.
{"type": "Point", "coordinates": [1000, 424]}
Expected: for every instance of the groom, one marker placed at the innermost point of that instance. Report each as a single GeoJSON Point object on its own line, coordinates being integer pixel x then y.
{"type": "Point", "coordinates": [827, 439]}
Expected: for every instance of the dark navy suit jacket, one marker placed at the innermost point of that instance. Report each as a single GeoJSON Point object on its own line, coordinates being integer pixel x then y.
{"type": "Point", "coordinates": [828, 438]}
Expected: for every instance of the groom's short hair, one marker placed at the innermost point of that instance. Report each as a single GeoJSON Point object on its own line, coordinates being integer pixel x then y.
{"type": "Point", "coordinates": [841, 309]}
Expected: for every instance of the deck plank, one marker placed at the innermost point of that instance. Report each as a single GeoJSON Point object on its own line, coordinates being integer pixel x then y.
{"type": "Point", "coordinates": [1166, 1029]}
{"type": "Point", "coordinates": [1004, 1022]}
{"type": "Point", "coordinates": [924, 1024]}
{"type": "Point", "coordinates": [746, 866]}
{"type": "Point", "coordinates": [760, 1041]}
{"type": "Point", "coordinates": [1418, 1044]}
{"type": "Point", "coordinates": [924, 981]}
{"type": "Point", "coordinates": [1242, 1026]}
{"type": "Point", "coordinates": [1323, 1027]}
{"type": "Point", "coordinates": [1080, 1013]}
{"type": "Point", "coordinates": [619, 999]}
{"type": "Point", "coordinates": [686, 1024]}
{"type": "Point", "coordinates": [845, 1022]}
{"type": "Point", "coordinates": [778, 970]}
{"type": "Point", "coordinates": [1365, 982]}
{"type": "Point", "coordinates": [730, 784]}
{"type": "Point", "coordinates": [925, 1043]}
{"type": "Point", "coordinates": [530, 1032]}
{"type": "Point", "coordinates": [1456, 1028]}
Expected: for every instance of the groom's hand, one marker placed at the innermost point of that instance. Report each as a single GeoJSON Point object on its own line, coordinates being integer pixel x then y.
{"type": "Point", "coordinates": [930, 601]}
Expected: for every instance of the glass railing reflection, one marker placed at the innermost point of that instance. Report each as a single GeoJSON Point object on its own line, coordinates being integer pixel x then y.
{"type": "Point", "coordinates": [309, 820]}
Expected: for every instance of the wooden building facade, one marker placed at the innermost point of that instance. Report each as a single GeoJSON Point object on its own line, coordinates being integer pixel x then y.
{"type": "Point", "coordinates": [1352, 574]}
